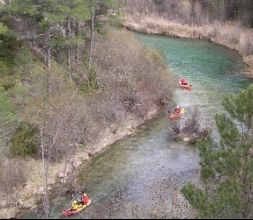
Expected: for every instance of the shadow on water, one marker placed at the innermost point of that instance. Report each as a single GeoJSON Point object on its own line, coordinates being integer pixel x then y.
{"type": "Point", "coordinates": [141, 176]}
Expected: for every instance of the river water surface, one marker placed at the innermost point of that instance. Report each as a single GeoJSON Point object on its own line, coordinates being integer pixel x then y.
{"type": "Point", "coordinates": [141, 176]}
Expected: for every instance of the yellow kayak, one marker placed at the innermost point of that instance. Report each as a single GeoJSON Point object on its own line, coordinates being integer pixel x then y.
{"type": "Point", "coordinates": [77, 207]}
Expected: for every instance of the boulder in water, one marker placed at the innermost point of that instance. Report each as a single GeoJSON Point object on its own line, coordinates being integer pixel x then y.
{"type": "Point", "coordinates": [188, 128]}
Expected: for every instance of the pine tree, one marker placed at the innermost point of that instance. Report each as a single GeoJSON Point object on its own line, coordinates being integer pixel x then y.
{"type": "Point", "coordinates": [8, 48]}
{"type": "Point", "coordinates": [226, 168]}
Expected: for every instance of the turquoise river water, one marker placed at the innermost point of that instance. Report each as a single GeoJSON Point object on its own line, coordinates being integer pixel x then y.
{"type": "Point", "coordinates": [141, 176]}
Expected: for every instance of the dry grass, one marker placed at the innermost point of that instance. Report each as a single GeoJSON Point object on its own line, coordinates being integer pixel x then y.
{"type": "Point", "coordinates": [135, 76]}
{"type": "Point", "coordinates": [22, 182]}
{"type": "Point", "coordinates": [13, 174]}
{"type": "Point", "coordinates": [229, 34]}
{"type": "Point", "coordinates": [153, 24]}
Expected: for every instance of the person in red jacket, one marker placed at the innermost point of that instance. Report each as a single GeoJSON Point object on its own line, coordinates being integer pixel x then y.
{"type": "Point", "coordinates": [177, 110]}
{"type": "Point", "coordinates": [85, 199]}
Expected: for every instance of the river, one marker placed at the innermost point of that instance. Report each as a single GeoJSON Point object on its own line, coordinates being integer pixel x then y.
{"type": "Point", "coordinates": [141, 176]}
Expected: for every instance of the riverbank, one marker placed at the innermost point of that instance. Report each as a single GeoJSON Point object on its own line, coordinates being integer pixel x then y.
{"type": "Point", "coordinates": [230, 35]}
{"type": "Point", "coordinates": [132, 90]}
{"type": "Point", "coordinates": [32, 193]}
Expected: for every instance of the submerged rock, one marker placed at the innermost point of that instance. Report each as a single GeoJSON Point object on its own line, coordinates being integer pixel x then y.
{"type": "Point", "coordinates": [192, 138]}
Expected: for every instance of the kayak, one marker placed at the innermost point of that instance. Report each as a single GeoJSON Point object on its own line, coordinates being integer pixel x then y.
{"type": "Point", "coordinates": [188, 87]}
{"type": "Point", "coordinates": [175, 116]}
{"type": "Point", "coordinates": [71, 211]}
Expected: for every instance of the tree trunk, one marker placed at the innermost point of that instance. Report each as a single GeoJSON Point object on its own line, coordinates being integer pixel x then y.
{"type": "Point", "coordinates": [45, 176]}
{"type": "Point", "coordinates": [69, 47]}
{"type": "Point", "coordinates": [91, 34]}
{"type": "Point", "coordinates": [48, 62]}
{"type": "Point", "coordinates": [192, 12]}
{"type": "Point", "coordinates": [77, 31]}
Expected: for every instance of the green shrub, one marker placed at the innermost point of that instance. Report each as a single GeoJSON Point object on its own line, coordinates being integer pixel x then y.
{"type": "Point", "coordinates": [25, 141]}
{"type": "Point", "coordinates": [7, 83]}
